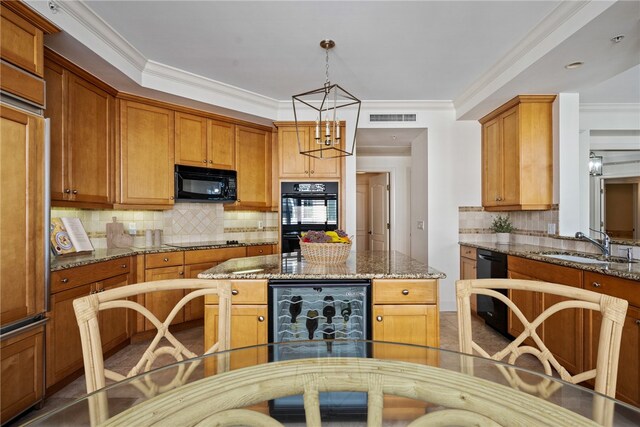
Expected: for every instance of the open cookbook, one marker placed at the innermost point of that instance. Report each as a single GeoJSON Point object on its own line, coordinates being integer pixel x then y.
{"type": "Point", "coordinates": [69, 236]}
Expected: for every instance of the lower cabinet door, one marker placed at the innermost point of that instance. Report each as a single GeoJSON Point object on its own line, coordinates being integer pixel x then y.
{"type": "Point", "coordinates": [408, 324]}
{"type": "Point", "coordinates": [21, 372]}
{"type": "Point", "coordinates": [114, 323]}
{"type": "Point", "coordinates": [64, 349]}
{"type": "Point", "coordinates": [161, 303]}
{"type": "Point", "coordinates": [195, 309]}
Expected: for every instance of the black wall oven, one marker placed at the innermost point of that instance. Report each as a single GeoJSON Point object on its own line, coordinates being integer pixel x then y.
{"type": "Point", "coordinates": [306, 206]}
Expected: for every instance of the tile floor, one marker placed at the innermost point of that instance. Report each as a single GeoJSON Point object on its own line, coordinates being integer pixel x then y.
{"type": "Point", "coordinates": [193, 339]}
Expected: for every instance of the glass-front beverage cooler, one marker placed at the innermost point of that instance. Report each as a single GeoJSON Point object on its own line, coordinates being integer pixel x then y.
{"type": "Point", "coordinates": [326, 317]}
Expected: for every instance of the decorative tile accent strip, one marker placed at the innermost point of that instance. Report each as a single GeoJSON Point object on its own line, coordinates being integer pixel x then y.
{"type": "Point", "coordinates": [470, 209]}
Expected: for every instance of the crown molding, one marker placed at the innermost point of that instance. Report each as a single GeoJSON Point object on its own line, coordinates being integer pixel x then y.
{"type": "Point", "coordinates": [207, 90]}
{"type": "Point", "coordinates": [610, 108]}
{"type": "Point", "coordinates": [556, 27]}
{"type": "Point", "coordinates": [86, 17]}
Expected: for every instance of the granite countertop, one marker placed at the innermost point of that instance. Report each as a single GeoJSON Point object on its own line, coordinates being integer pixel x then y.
{"type": "Point", "coordinates": [359, 265]}
{"type": "Point", "coordinates": [99, 255]}
{"type": "Point", "coordinates": [614, 266]}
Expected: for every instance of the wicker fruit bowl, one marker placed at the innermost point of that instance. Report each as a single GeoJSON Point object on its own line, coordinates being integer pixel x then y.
{"type": "Point", "coordinates": [325, 247]}
{"type": "Point", "coordinates": [325, 253]}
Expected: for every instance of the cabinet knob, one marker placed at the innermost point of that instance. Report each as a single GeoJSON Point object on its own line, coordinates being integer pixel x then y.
{"type": "Point", "coordinates": [171, 197]}
{"type": "Point", "coordinates": [211, 161]}
{"type": "Point", "coordinates": [92, 292]}
{"type": "Point", "coordinates": [405, 292]}
{"type": "Point", "coordinates": [379, 318]}
{"type": "Point", "coordinates": [102, 290]}
{"type": "Point", "coordinates": [165, 259]}
{"type": "Point", "coordinates": [313, 172]}
{"type": "Point", "coordinates": [638, 322]}
{"type": "Point", "coordinates": [181, 273]}
{"type": "Point", "coordinates": [75, 191]}
{"type": "Point", "coordinates": [260, 318]}
{"type": "Point", "coordinates": [204, 161]}
{"type": "Point", "coordinates": [306, 171]}
{"type": "Point", "coordinates": [66, 190]}
{"type": "Point", "coordinates": [64, 280]}
{"type": "Point", "coordinates": [596, 284]}
{"type": "Point", "coordinates": [123, 266]}
{"type": "Point", "coordinates": [235, 292]}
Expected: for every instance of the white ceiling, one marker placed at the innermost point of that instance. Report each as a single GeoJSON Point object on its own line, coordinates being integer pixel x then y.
{"type": "Point", "coordinates": [476, 54]}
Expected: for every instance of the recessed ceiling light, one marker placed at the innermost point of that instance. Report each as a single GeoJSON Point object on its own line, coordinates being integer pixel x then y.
{"type": "Point", "coordinates": [618, 38]}
{"type": "Point", "coordinates": [573, 65]}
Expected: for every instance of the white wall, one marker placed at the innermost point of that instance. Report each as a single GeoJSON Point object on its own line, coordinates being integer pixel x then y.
{"type": "Point", "coordinates": [399, 169]}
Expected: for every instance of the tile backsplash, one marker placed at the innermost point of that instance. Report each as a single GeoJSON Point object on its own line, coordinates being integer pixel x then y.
{"type": "Point", "coordinates": [531, 227]}
{"type": "Point", "coordinates": [185, 223]}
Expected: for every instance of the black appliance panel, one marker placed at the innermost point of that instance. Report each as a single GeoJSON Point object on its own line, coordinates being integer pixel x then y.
{"type": "Point", "coordinates": [492, 265]}
{"type": "Point", "coordinates": [193, 184]}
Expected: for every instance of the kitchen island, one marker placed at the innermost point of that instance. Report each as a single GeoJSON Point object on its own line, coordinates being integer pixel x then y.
{"type": "Point", "coordinates": [384, 296]}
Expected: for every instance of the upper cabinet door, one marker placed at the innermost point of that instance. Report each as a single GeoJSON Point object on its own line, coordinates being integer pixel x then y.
{"type": "Point", "coordinates": [222, 145]}
{"type": "Point", "coordinates": [21, 219]}
{"type": "Point", "coordinates": [56, 88]}
{"type": "Point", "coordinates": [253, 156]}
{"type": "Point", "coordinates": [191, 140]}
{"type": "Point", "coordinates": [510, 158]}
{"type": "Point", "coordinates": [90, 135]}
{"type": "Point", "coordinates": [146, 155]}
{"type": "Point", "coordinates": [491, 163]}
{"type": "Point", "coordinates": [292, 163]}
{"type": "Point", "coordinates": [21, 43]}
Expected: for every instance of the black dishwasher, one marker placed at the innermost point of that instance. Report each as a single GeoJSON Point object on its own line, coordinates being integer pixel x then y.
{"type": "Point", "coordinates": [492, 265]}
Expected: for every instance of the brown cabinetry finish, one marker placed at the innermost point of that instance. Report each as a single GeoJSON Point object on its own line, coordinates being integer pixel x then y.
{"type": "Point", "coordinates": [82, 139]}
{"type": "Point", "coordinates": [191, 140]}
{"type": "Point", "coordinates": [562, 332]}
{"type": "Point", "coordinates": [21, 221]}
{"type": "Point", "coordinates": [146, 153]}
{"type": "Point", "coordinates": [64, 350]}
{"type": "Point", "coordinates": [21, 42]}
{"type": "Point", "coordinates": [259, 250]}
{"type": "Point", "coordinates": [468, 271]}
{"type": "Point", "coordinates": [253, 160]}
{"type": "Point", "coordinates": [517, 155]}
{"type": "Point", "coordinates": [221, 144]}
{"type": "Point", "coordinates": [292, 164]}
{"type": "Point", "coordinates": [628, 385]}
{"type": "Point", "coordinates": [160, 303]}
{"type": "Point", "coordinates": [21, 372]}
{"type": "Point", "coordinates": [21, 84]}
{"type": "Point", "coordinates": [405, 291]}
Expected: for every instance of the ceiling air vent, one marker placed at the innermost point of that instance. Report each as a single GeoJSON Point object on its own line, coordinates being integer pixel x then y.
{"type": "Point", "coordinates": [392, 117]}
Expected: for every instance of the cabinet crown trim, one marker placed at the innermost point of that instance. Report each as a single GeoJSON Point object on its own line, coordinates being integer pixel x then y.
{"type": "Point", "coordinates": [520, 99]}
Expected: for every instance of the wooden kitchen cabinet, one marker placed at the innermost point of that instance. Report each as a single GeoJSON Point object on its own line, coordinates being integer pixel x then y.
{"type": "Point", "coordinates": [204, 142]}
{"type": "Point", "coordinates": [628, 385]}
{"type": "Point", "coordinates": [468, 267]}
{"type": "Point", "coordinates": [253, 160]}
{"type": "Point", "coordinates": [21, 372]}
{"type": "Point", "coordinates": [21, 42]}
{"type": "Point", "coordinates": [259, 250]}
{"type": "Point", "coordinates": [160, 303]}
{"type": "Point", "coordinates": [82, 114]}
{"type": "Point", "coordinates": [146, 154]}
{"type": "Point", "coordinates": [292, 164]}
{"type": "Point", "coordinates": [21, 219]}
{"type": "Point", "coordinates": [562, 332]}
{"type": "Point", "coordinates": [517, 155]}
{"type": "Point", "coordinates": [64, 350]}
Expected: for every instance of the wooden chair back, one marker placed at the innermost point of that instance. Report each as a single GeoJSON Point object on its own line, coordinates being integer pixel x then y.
{"type": "Point", "coordinates": [613, 313]}
{"type": "Point", "coordinates": [87, 309]}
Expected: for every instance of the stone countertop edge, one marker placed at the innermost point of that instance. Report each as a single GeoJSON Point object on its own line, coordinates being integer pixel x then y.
{"type": "Point", "coordinates": [534, 252]}
{"type": "Point", "coordinates": [360, 265]}
{"type": "Point", "coordinates": [100, 255]}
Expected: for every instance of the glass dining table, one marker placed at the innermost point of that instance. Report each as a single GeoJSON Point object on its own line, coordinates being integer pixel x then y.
{"type": "Point", "coordinates": [342, 383]}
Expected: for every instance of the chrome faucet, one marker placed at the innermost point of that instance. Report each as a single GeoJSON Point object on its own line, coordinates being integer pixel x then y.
{"type": "Point", "coordinates": [605, 246]}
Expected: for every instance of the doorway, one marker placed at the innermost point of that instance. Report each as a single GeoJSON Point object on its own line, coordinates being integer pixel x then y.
{"type": "Point", "coordinates": [372, 211]}
{"type": "Point", "coordinates": [621, 208]}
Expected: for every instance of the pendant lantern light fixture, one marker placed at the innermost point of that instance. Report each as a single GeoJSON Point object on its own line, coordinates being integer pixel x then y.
{"type": "Point", "coordinates": [329, 141]}
{"type": "Point", "coordinates": [595, 164]}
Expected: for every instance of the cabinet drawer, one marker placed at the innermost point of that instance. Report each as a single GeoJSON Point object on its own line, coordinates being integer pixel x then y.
{"type": "Point", "coordinates": [72, 277]}
{"type": "Point", "coordinates": [244, 292]}
{"type": "Point", "coordinates": [614, 286]}
{"type": "Point", "coordinates": [259, 250]}
{"type": "Point", "coordinates": [22, 84]}
{"type": "Point", "coordinates": [545, 272]}
{"type": "Point", "coordinates": [468, 252]}
{"type": "Point", "coordinates": [213, 255]}
{"type": "Point", "coordinates": [164, 259]}
{"type": "Point", "coordinates": [405, 291]}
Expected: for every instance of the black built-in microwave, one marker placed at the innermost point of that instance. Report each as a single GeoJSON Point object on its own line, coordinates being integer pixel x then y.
{"type": "Point", "coordinates": [193, 184]}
